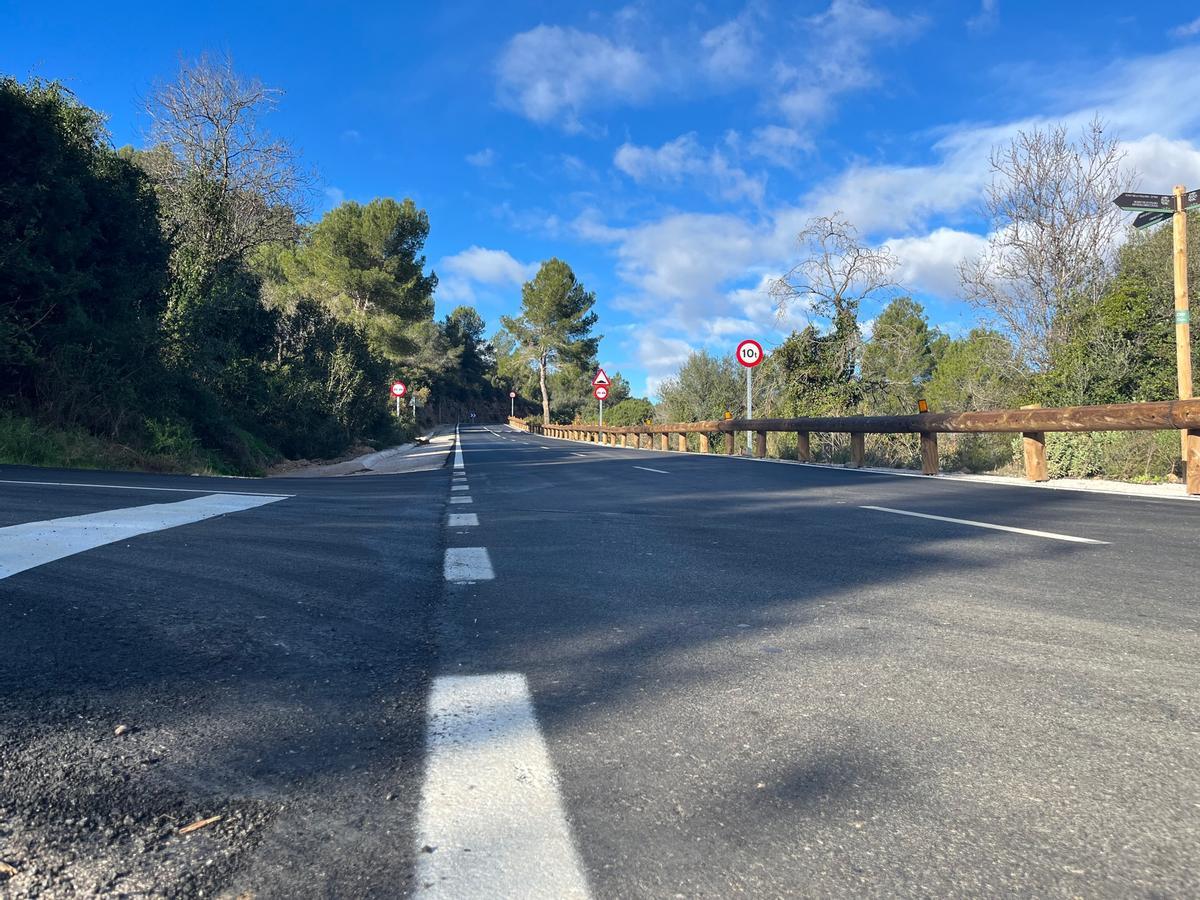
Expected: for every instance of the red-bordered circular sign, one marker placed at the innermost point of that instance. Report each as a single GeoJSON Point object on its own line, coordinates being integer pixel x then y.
{"type": "Point", "coordinates": [512, 395]}
{"type": "Point", "coordinates": [399, 389]}
{"type": "Point", "coordinates": [749, 353]}
{"type": "Point", "coordinates": [600, 392]}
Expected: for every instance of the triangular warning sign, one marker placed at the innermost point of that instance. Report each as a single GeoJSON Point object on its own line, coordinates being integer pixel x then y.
{"type": "Point", "coordinates": [600, 379]}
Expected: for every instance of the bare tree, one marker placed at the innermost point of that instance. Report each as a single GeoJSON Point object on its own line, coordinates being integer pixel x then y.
{"type": "Point", "coordinates": [1054, 233]}
{"type": "Point", "coordinates": [835, 276]}
{"type": "Point", "coordinates": [228, 186]}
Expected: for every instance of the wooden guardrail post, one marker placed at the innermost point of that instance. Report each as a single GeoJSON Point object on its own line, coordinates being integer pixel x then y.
{"type": "Point", "coordinates": [681, 444]}
{"type": "Point", "coordinates": [929, 453]}
{"type": "Point", "coordinates": [760, 444]}
{"type": "Point", "coordinates": [1034, 445]}
{"type": "Point", "coordinates": [1193, 460]}
{"type": "Point", "coordinates": [729, 441]}
{"type": "Point", "coordinates": [803, 447]}
{"type": "Point", "coordinates": [858, 449]}
{"type": "Point", "coordinates": [664, 441]}
{"type": "Point", "coordinates": [703, 442]}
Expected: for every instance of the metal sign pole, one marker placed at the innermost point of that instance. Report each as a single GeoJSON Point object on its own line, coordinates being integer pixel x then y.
{"type": "Point", "coordinates": [602, 413]}
{"type": "Point", "coordinates": [1183, 328]}
{"type": "Point", "coordinates": [397, 406]}
{"type": "Point", "coordinates": [749, 410]}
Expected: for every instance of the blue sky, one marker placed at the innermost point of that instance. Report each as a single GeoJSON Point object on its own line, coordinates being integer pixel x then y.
{"type": "Point", "coordinates": [670, 152]}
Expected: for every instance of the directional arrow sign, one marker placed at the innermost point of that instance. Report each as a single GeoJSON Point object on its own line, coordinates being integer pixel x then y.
{"type": "Point", "coordinates": [1146, 219]}
{"type": "Point", "coordinates": [600, 379]}
{"type": "Point", "coordinates": [1153, 202]}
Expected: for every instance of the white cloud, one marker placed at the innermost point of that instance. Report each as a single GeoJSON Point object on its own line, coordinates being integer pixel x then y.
{"type": "Point", "coordinates": [929, 263]}
{"type": "Point", "coordinates": [1163, 163]}
{"type": "Point", "coordinates": [335, 195]}
{"type": "Point", "coordinates": [482, 159]}
{"type": "Point", "coordinates": [660, 357]}
{"type": "Point", "coordinates": [1190, 29]}
{"type": "Point", "coordinates": [551, 74]}
{"type": "Point", "coordinates": [460, 273]}
{"type": "Point", "coordinates": [730, 50]}
{"type": "Point", "coordinates": [778, 145]}
{"type": "Point", "coordinates": [684, 158]}
{"type": "Point", "coordinates": [836, 60]}
{"type": "Point", "coordinates": [701, 278]}
{"type": "Point", "coordinates": [986, 18]}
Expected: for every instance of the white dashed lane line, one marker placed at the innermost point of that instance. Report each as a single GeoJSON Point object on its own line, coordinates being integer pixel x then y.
{"type": "Point", "coordinates": [467, 564]}
{"type": "Point", "coordinates": [646, 469]}
{"type": "Point", "coordinates": [463, 520]}
{"type": "Point", "coordinates": [460, 499]}
{"type": "Point", "coordinates": [491, 822]}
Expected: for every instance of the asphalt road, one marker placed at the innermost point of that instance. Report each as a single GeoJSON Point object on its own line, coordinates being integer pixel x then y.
{"type": "Point", "coordinates": [616, 673]}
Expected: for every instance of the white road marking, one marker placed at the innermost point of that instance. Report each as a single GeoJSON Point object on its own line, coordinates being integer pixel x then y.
{"type": "Point", "coordinates": [138, 487]}
{"type": "Point", "coordinates": [467, 564]}
{"type": "Point", "coordinates": [463, 520]}
{"type": "Point", "coordinates": [1042, 534]}
{"type": "Point", "coordinates": [459, 487]}
{"type": "Point", "coordinates": [491, 822]}
{"type": "Point", "coordinates": [458, 460]}
{"type": "Point", "coordinates": [584, 455]}
{"type": "Point", "coordinates": [37, 543]}
{"type": "Point", "coordinates": [460, 499]}
{"type": "Point", "coordinates": [645, 469]}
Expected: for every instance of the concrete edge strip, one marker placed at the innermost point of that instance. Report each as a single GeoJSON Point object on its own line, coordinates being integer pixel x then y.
{"type": "Point", "coordinates": [491, 821]}
{"type": "Point", "coordinates": [32, 544]}
{"type": "Point", "coordinates": [1052, 535]}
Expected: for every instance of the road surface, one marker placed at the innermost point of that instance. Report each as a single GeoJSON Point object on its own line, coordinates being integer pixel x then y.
{"type": "Point", "coordinates": [554, 669]}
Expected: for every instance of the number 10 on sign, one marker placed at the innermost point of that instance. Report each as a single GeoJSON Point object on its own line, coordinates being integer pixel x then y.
{"type": "Point", "coordinates": [749, 354]}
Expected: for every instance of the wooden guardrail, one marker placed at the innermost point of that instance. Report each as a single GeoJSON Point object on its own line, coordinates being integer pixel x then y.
{"type": "Point", "coordinates": [1030, 422]}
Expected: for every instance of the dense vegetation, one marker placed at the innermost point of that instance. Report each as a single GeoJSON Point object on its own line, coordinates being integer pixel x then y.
{"type": "Point", "coordinates": [171, 308]}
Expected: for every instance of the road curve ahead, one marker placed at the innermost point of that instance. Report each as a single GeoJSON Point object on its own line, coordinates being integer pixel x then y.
{"type": "Point", "coordinates": [551, 669]}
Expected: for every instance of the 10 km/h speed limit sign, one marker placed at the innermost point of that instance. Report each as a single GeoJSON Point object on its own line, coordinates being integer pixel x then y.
{"type": "Point", "coordinates": [749, 353]}
{"type": "Point", "coordinates": [399, 389]}
{"type": "Point", "coordinates": [600, 392]}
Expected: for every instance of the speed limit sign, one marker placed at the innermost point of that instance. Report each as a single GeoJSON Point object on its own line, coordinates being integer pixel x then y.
{"type": "Point", "coordinates": [399, 389]}
{"type": "Point", "coordinates": [749, 353]}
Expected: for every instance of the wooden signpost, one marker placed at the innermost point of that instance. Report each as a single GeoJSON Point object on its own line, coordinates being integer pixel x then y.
{"type": "Point", "coordinates": [1157, 208]}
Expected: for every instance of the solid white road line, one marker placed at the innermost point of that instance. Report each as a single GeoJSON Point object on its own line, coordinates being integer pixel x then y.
{"type": "Point", "coordinates": [460, 499]}
{"type": "Point", "coordinates": [463, 520]}
{"type": "Point", "coordinates": [458, 460]}
{"type": "Point", "coordinates": [491, 822]}
{"type": "Point", "coordinates": [37, 543]}
{"type": "Point", "coordinates": [467, 564]}
{"type": "Point", "coordinates": [1028, 531]}
{"type": "Point", "coordinates": [659, 471]}
{"type": "Point", "coordinates": [459, 487]}
{"type": "Point", "coordinates": [138, 487]}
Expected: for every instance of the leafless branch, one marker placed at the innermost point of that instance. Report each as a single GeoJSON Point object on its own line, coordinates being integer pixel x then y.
{"type": "Point", "coordinates": [1054, 232]}
{"type": "Point", "coordinates": [226, 181]}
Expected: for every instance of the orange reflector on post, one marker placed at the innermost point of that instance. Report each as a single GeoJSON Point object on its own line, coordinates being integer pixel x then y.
{"type": "Point", "coordinates": [922, 406]}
